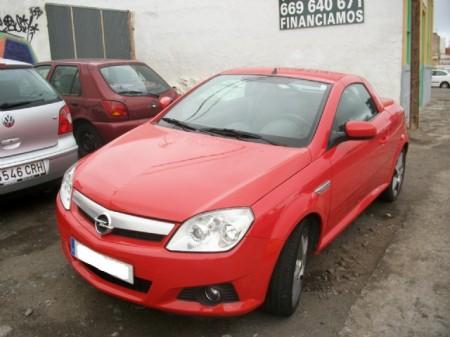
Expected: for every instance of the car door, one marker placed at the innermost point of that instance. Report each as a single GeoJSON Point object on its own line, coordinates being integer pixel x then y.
{"type": "Point", "coordinates": [66, 80]}
{"type": "Point", "coordinates": [43, 70]}
{"type": "Point", "coordinates": [354, 162]}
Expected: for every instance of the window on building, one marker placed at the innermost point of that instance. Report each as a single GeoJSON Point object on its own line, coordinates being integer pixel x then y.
{"type": "Point", "coordinates": [84, 32]}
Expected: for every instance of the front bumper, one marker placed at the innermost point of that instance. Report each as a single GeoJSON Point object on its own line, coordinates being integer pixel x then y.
{"type": "Point", "coordinates": [60, 157]}
{"type": "Point", "coordinates": [248, 268]}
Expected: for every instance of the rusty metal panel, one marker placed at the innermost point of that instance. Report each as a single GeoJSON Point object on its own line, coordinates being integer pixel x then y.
{"type": "Point", "coordinates": [60, 31]}
{"type": "Point", "coordinates": [116, 34]}
{"type": "Point", "coordinates": [88, 32]}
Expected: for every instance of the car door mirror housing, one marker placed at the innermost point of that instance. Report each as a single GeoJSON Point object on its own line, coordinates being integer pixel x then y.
{"type": "Point", "coordinates": [164, 102]}
{"type": "Point", "coordinates": [360, 130]}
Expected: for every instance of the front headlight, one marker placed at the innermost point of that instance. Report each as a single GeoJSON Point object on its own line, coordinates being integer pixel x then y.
{"type": "Point", "coordinates": [215, 231]}
{"type": "Point", "coordinates": [65, 192]}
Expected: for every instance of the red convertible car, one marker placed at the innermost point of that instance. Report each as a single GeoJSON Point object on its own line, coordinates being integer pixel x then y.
{"type": "Point", "coordinates": [213, 207]}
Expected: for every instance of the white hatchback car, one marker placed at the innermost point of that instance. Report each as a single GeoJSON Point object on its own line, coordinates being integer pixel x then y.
{"type": "Point", "coordinates": [36, 140]}
{"type": "Point", "coordinates": [440, 78]}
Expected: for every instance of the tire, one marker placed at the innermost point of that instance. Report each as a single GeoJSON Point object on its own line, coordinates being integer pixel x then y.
{"type": "Point", "coordinates": [87, 138]}
{"type": "Point", "coordinates": [445, 85]}
{"type": "Point", "coordinates": [392, 192]}
{"type": "Point", "coordinates": [286, 285]}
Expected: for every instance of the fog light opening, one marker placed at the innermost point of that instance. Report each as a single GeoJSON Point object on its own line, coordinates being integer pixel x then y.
{"type": "Point", "coordinates": [213, 294]}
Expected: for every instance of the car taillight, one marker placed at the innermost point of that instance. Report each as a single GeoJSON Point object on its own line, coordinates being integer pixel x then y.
{"type": "Point", "coordinates": [115, 109]}
{"type": "Point", "coordinates": [65, 121]}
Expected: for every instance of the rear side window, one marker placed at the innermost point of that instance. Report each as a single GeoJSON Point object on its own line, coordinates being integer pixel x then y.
{"type": "Point", "coordinates": [134, 80]}
{"type": "Point", "coordinates": [356, 104]}
{"type": "Point", "coordinates": [23, 88]}
{"type": "Point", "coordinates": [66, 80]}
{"type": "Point", "coordinates": [43, 71]}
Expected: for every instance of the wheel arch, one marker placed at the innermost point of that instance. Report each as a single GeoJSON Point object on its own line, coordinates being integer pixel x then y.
{"type": "Point", "coordinates": [315, 221]}
{"type": "Point", "coordinates": [79, 121]}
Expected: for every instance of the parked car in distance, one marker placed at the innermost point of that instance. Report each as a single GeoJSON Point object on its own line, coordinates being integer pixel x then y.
{"type": "Point", "coordinates": [36, 140]}
{"type": "Point", "coordinates": [440, 78]}
{"type": "Point", "coordinates": [213, 207]}
{"type": "Point", "coordinates": [106, 97]}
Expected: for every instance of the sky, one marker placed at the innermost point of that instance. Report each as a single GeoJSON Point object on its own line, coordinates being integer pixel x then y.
{"type": "Point", "coordinates": [442, 18]}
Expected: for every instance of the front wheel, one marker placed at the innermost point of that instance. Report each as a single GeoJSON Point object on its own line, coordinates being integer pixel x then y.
{"type": "Point", "coordinates": [286, 285]}
{"type": "Point", "coordinates": [445, 85]}
{"type": "Point", "coordinates": [394, 188]}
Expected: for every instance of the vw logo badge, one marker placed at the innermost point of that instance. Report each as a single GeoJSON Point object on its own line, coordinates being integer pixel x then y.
{"type": "Point", "coordinates": [103, 224]}
{"type": "Point", "coordinates": [8, 121]}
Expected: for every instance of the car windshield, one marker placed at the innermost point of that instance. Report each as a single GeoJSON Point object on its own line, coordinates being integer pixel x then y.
{"type": "Point", "coordinates": [270, 109]}
{"type": "Point", "coordinates": [23, 88]}
{"type": "Point", "coordinates": [134, 80]}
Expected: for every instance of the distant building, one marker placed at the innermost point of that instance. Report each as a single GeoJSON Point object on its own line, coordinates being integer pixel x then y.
{"type": "Point", "coordinates": [187, 41]}
{"type": "Point", "coordinates": [436, 49]}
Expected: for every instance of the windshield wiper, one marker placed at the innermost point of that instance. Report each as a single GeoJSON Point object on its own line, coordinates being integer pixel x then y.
{"type": "Point", "coordinates": [179, 123]}
{"type": "Point", "coordinates": [18, 104]}
{"type": "Point", "coordinates": [239, 134]}
{"type": "Point", "coordinates": [131, 92]}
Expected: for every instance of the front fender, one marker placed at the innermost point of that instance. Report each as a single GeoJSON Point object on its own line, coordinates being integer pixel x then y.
{"type": "Point", "coordinates": [282, 210]}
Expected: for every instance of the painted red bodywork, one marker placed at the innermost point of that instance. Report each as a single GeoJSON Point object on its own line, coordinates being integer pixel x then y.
{"type": "Point", "coordinates": [88, 106]}
{"type": "Point", "coordinates": [360, 130]}
{"type": "Point", "coordinates": [171, 174]}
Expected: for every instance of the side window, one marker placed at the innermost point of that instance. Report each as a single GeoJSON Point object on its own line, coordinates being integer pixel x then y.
{"type": "Point", "coordinates": [43, 71]}
{"type": "Point", "coordinates": [66, 80]}
{"type": "Point", "coordinates": [356, 104]}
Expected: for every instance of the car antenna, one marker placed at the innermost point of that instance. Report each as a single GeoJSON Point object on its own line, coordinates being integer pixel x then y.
{"type": "Point", "coordinates": [275, 71]}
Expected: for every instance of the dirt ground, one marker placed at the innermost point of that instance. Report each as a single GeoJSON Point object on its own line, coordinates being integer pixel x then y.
{"type": "Point", "coordinates": [388, 274]}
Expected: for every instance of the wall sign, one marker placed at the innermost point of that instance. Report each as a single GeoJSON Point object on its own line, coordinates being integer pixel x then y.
{"type": "Point", "coordinates": [297, 14]}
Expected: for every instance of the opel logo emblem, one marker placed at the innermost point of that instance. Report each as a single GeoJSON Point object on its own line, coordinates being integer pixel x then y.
{"type": "Point", "coordinates": [8, 121]}
{"type": "Point", "coordinates": [103, 224]}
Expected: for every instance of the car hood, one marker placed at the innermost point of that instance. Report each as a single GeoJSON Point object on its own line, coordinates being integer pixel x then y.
{"type": "Point", "coordinates": [172, 174]}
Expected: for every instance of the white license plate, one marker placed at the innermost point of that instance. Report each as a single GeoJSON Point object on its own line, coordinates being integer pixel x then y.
{"type": "Point", "coordinates": [16, 174]}
{"type": "Point", "coordinates": [116, 268]}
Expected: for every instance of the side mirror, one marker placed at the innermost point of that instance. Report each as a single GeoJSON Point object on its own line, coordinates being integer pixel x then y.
{"type": "Point", "coordinates": [360, 130]}
{"type": "Point", "coordinates": [164, 102]}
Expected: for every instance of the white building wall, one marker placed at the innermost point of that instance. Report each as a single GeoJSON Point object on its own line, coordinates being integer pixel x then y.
{"type": "Point", "coordinates": [186, 41]}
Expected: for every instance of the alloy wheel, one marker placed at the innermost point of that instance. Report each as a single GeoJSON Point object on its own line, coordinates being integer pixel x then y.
{"type": "Point", "coordinates": [399, 172]}
{"type": "Point", "coordinates": [300, 266]}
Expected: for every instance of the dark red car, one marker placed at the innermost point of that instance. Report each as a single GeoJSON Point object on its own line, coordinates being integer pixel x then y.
{"type": "Point", "coordinates": [106, 97]}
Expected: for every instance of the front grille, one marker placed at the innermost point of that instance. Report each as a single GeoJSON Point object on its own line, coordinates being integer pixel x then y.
{"type": "Point", "coordinates": [139, 285]}
{"type": "Point", "coordinates": [196, 294]}
{"type": "Point", "coordinates": [123, 224]}
{"type": "Point", "coordinates": [125, 232]}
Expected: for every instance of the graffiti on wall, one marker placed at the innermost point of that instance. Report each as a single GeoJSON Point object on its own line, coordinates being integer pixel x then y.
{"type": "Point", "coordinates": [22, 24]}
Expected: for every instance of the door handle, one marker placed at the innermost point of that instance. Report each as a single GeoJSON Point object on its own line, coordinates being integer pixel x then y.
{"type": "Point", "coordinates": [74, 104]}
